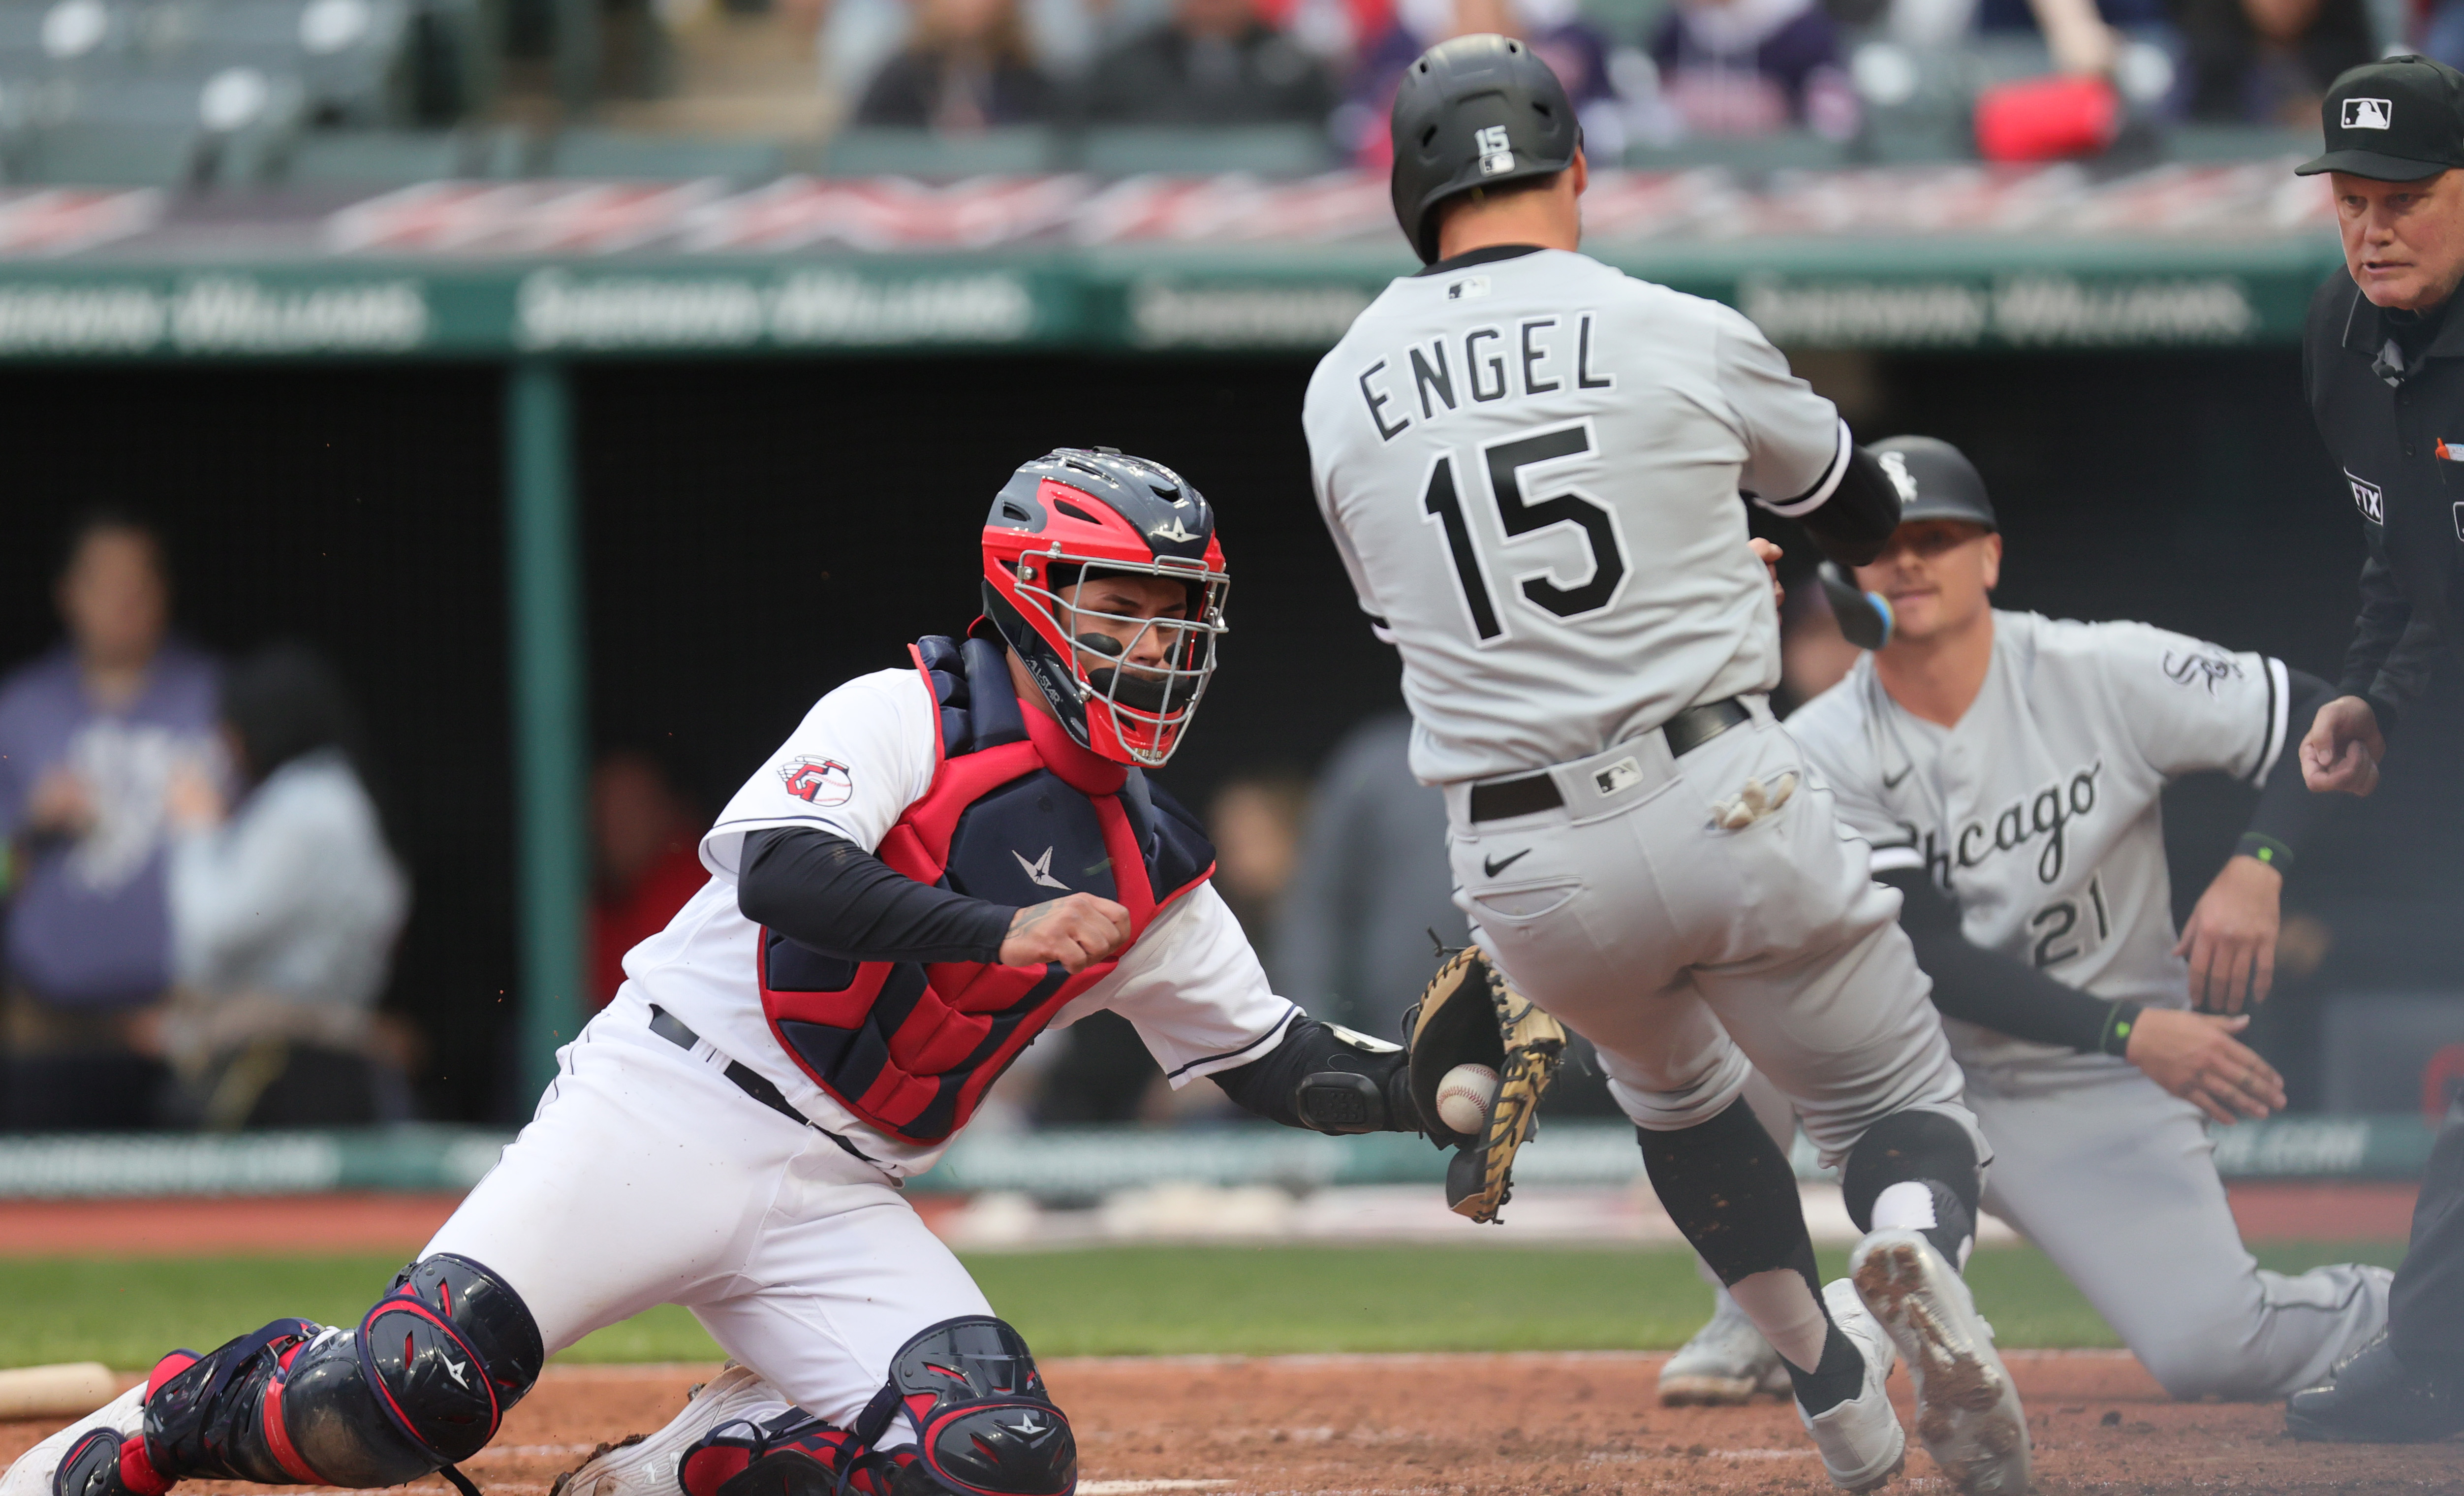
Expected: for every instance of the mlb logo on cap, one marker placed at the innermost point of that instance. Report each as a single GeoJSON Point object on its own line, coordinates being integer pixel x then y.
{"type": "Point", "coordinates": [2368, 136]}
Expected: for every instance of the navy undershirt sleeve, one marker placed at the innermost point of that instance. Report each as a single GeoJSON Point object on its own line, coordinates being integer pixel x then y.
{"type": "Point", "coordinates": [824, 891]}
{"type": "Point", "coordinates": [1986, 987]}
{"type": "Point", "coordinates": [2287, 811]}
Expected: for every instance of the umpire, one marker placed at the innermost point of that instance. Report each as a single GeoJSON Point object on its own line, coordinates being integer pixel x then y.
{"type": "Point", "coordinates": [2383, 363]}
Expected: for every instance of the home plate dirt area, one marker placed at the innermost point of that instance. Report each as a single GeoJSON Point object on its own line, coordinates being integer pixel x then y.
{"type": "Point", "coordinates": [1439, 1425]}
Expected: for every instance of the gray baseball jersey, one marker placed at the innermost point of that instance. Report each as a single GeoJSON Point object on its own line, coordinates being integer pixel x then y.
{"type": "Point", "coordinates": [2040, 812]}
{"type": "Point", "coordinates": [1531, 468]}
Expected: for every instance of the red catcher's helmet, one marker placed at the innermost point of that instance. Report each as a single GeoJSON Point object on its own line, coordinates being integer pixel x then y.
{"type": "Point", "coordinates": [1075, 511]}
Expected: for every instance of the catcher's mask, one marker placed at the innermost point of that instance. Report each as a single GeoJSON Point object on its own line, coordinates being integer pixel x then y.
{"type": "Point", "coordinates": [1123, 686]}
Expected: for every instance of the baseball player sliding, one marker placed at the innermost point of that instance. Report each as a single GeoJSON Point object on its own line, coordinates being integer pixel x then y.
{"type": "Point", "coordinates": [1531, 464]}
{"type": "Point", "coordinates": [2005, 770]}
{"type": "Point", "coordinates": [943, 860]}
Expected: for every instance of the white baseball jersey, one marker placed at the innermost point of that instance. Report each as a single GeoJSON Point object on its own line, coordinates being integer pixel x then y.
{"type": "Point", "coordinates": [2039, 812]}
{"type": "Point", "coordinates": [1532, 467]}
{"type": "Point", "coordinates": [1190, 985]}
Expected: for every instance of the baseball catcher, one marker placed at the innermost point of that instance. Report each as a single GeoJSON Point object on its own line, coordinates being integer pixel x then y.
{"type": "Point", "coordinates": [945, 859]}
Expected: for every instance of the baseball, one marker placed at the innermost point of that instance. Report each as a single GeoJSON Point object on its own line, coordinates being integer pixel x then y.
{"type": "Point", "coordinates": [1463, 1097]}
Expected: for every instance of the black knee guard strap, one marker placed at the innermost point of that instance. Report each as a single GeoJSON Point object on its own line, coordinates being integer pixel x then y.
{"type": "Point", "coordinates": [1921, 1147]}
{"type": "Point", "coordinates": [984, 1425]}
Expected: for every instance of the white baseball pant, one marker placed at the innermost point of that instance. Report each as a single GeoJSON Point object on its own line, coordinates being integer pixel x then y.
{"type": "Point", "coordinates": [647, 1177]}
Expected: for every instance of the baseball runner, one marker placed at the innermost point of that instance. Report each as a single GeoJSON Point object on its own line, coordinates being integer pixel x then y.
{"type": "Point", "coordinates": [943, 860]}
{"type": "Point", "coordinates": [1531, 466]}
{"type": "Point", "coordinates": [2005, 770]}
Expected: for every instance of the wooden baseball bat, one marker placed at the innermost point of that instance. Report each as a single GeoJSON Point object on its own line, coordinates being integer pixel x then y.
{"type": "Point", "coordinates": [61, 1390]}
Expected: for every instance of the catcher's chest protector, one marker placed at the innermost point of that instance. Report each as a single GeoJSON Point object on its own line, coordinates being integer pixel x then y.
{"type": "Point", "coordinates": [1018, 813]}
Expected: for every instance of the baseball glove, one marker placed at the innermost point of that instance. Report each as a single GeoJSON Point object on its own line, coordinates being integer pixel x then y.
{"type": "Point", "coordinates": [1470, 1014]}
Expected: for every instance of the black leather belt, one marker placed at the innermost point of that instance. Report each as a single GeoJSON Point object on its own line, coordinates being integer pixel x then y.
{"type": "Point", "coordinates": [744, 1078]}
{"type": "Point", "coordinates": [1532, 793]}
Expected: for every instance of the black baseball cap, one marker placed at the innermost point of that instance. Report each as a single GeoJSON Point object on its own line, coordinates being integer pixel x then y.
{"type": "Point", "coordinates": [2399, 120]}
{"type": "Point", "coordinates": [1935, 480]}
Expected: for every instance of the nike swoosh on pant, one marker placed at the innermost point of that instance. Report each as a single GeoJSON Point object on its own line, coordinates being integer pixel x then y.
{"type": "Point", "coordinates": [1493, 865]}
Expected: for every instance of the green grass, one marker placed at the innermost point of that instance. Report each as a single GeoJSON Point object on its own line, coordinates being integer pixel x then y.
{"type": "Point", "coordinates": [1112, 1301]}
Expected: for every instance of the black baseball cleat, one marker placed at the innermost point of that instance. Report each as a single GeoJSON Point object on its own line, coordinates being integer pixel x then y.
{"type": "Point", "coordinates": [2373, 1398]}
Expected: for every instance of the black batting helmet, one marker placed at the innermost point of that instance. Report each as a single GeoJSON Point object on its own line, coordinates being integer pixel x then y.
{"type": "Point", "coordinates": [1475, 112]}
{"type": "Point", "coordinates": [1935, 480]}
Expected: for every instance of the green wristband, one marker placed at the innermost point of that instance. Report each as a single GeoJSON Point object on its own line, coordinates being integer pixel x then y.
{"type": "Point", "coordinates": [2266, 849]}
{"type": "Point", "coordinates": [2119, 1019]}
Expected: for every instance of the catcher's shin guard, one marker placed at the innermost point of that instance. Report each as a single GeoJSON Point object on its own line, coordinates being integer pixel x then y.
{"type": "Point", "coordinates": [423, 1382]}
{"type": "Point", "coordinates": [794, 1454]}
{"type": "Point", "coordinates": [984, 1425]}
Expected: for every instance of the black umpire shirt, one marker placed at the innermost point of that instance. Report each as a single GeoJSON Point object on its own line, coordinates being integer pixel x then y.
{"type": "Point", "coordinates": [2387, 391]}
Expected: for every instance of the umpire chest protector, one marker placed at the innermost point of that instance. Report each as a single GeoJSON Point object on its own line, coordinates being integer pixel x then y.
{"type": "Point", "coordinates": [1018, 813]}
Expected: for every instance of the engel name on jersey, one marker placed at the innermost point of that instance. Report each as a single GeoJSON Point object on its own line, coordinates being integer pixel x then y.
{"type": "Point", "coordinates": [1190, 985]}
{"type": "Point", "coordinates": [1531, 468]}
{"type": "Point", "coordinates": [2039, 812]}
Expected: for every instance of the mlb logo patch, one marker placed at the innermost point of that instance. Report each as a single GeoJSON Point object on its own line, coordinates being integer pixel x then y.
{"type": "Point", "coordinates": [1621, 775]}
{"type": "Point", "coordinates": [1496, 151]}
{"type": "Point", "coordinates": [1467, 288]}
{"type": "Point", "coordinates": [2367, 499]}
{"type": "Point", "coordinates": [2368, 113]}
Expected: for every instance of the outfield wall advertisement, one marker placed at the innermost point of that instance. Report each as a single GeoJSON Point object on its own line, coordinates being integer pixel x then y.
{"type": "Point", "coordinates": [1917, 258]}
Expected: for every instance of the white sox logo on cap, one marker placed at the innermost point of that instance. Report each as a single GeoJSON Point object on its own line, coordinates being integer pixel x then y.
{"type": "Point", "coordinates": [2368, 113]}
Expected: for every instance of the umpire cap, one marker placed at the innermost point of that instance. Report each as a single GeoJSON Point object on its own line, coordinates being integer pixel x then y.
{"type": "Point", "coordinates": [2399, 120]}
{"type": "Point", "coordinates": [1935, 480]}
{"type": "Point", "coordinates": [1475, 112]}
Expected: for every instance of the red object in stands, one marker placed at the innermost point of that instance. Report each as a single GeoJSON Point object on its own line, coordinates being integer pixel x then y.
{"type": "Point", "coordinates": [2047, 119]}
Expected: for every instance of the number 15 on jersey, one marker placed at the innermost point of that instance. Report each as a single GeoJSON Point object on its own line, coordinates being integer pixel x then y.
{"type": "Point", "coordinates": [1521, 516]}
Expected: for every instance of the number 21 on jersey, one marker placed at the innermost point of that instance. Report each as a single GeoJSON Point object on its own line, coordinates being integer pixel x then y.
{"type": "Point", "coordinates": [1498, 470]}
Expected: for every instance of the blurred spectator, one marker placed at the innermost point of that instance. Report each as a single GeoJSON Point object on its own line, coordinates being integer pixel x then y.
{"type": "Point", "coordinates": [1578, 52]}
{"type": "Point", "coordinates": [1354, 944]}
{"type": "Point", "coordinates": [1255, 823]}
{"type": "Point", "coordinates": [647, 841]}
{"type": "Point", "coordinates": [2270, 61]}
{"type": "Point", "coordinates": [1214, 62]}
{"type": "Point", "coordinates": [284, 912]}
{"type": "Point", "coordinates": [2084, 36]}
{"type": "Point", "coordinates": [966, 69]}
{"type": "Point", "coordinates": [90, 737]}
{"type": "Point", "coordinates": [1749, 67]}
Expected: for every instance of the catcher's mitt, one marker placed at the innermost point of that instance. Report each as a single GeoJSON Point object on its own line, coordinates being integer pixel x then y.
{"type": "Point", "coordinates": [1470, 1014]}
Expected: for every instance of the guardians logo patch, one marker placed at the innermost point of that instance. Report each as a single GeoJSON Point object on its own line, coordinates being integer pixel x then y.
{"type": "Point", "coordinates": [818, 781]}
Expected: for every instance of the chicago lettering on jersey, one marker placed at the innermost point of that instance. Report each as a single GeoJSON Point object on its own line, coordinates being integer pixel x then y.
{"type": "Point", "coordinates": [2046, 813]}
{"type": "Point", "coordinates": [1482, 365]}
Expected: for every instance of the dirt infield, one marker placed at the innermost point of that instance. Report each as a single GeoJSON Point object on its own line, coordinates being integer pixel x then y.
{"type": "Point", "coordinates": [1443, 1425]}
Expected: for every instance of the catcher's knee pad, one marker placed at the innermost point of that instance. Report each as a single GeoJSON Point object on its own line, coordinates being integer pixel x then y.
{"type": "Point", "coordinates": [984, 1425]}
{"type": "Point", "coordinates": [794, 1454]}
{"type": "Point", "coordinates": [423, 1382]}
{"type": "Point", "coordinates": [1914, 1147]}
